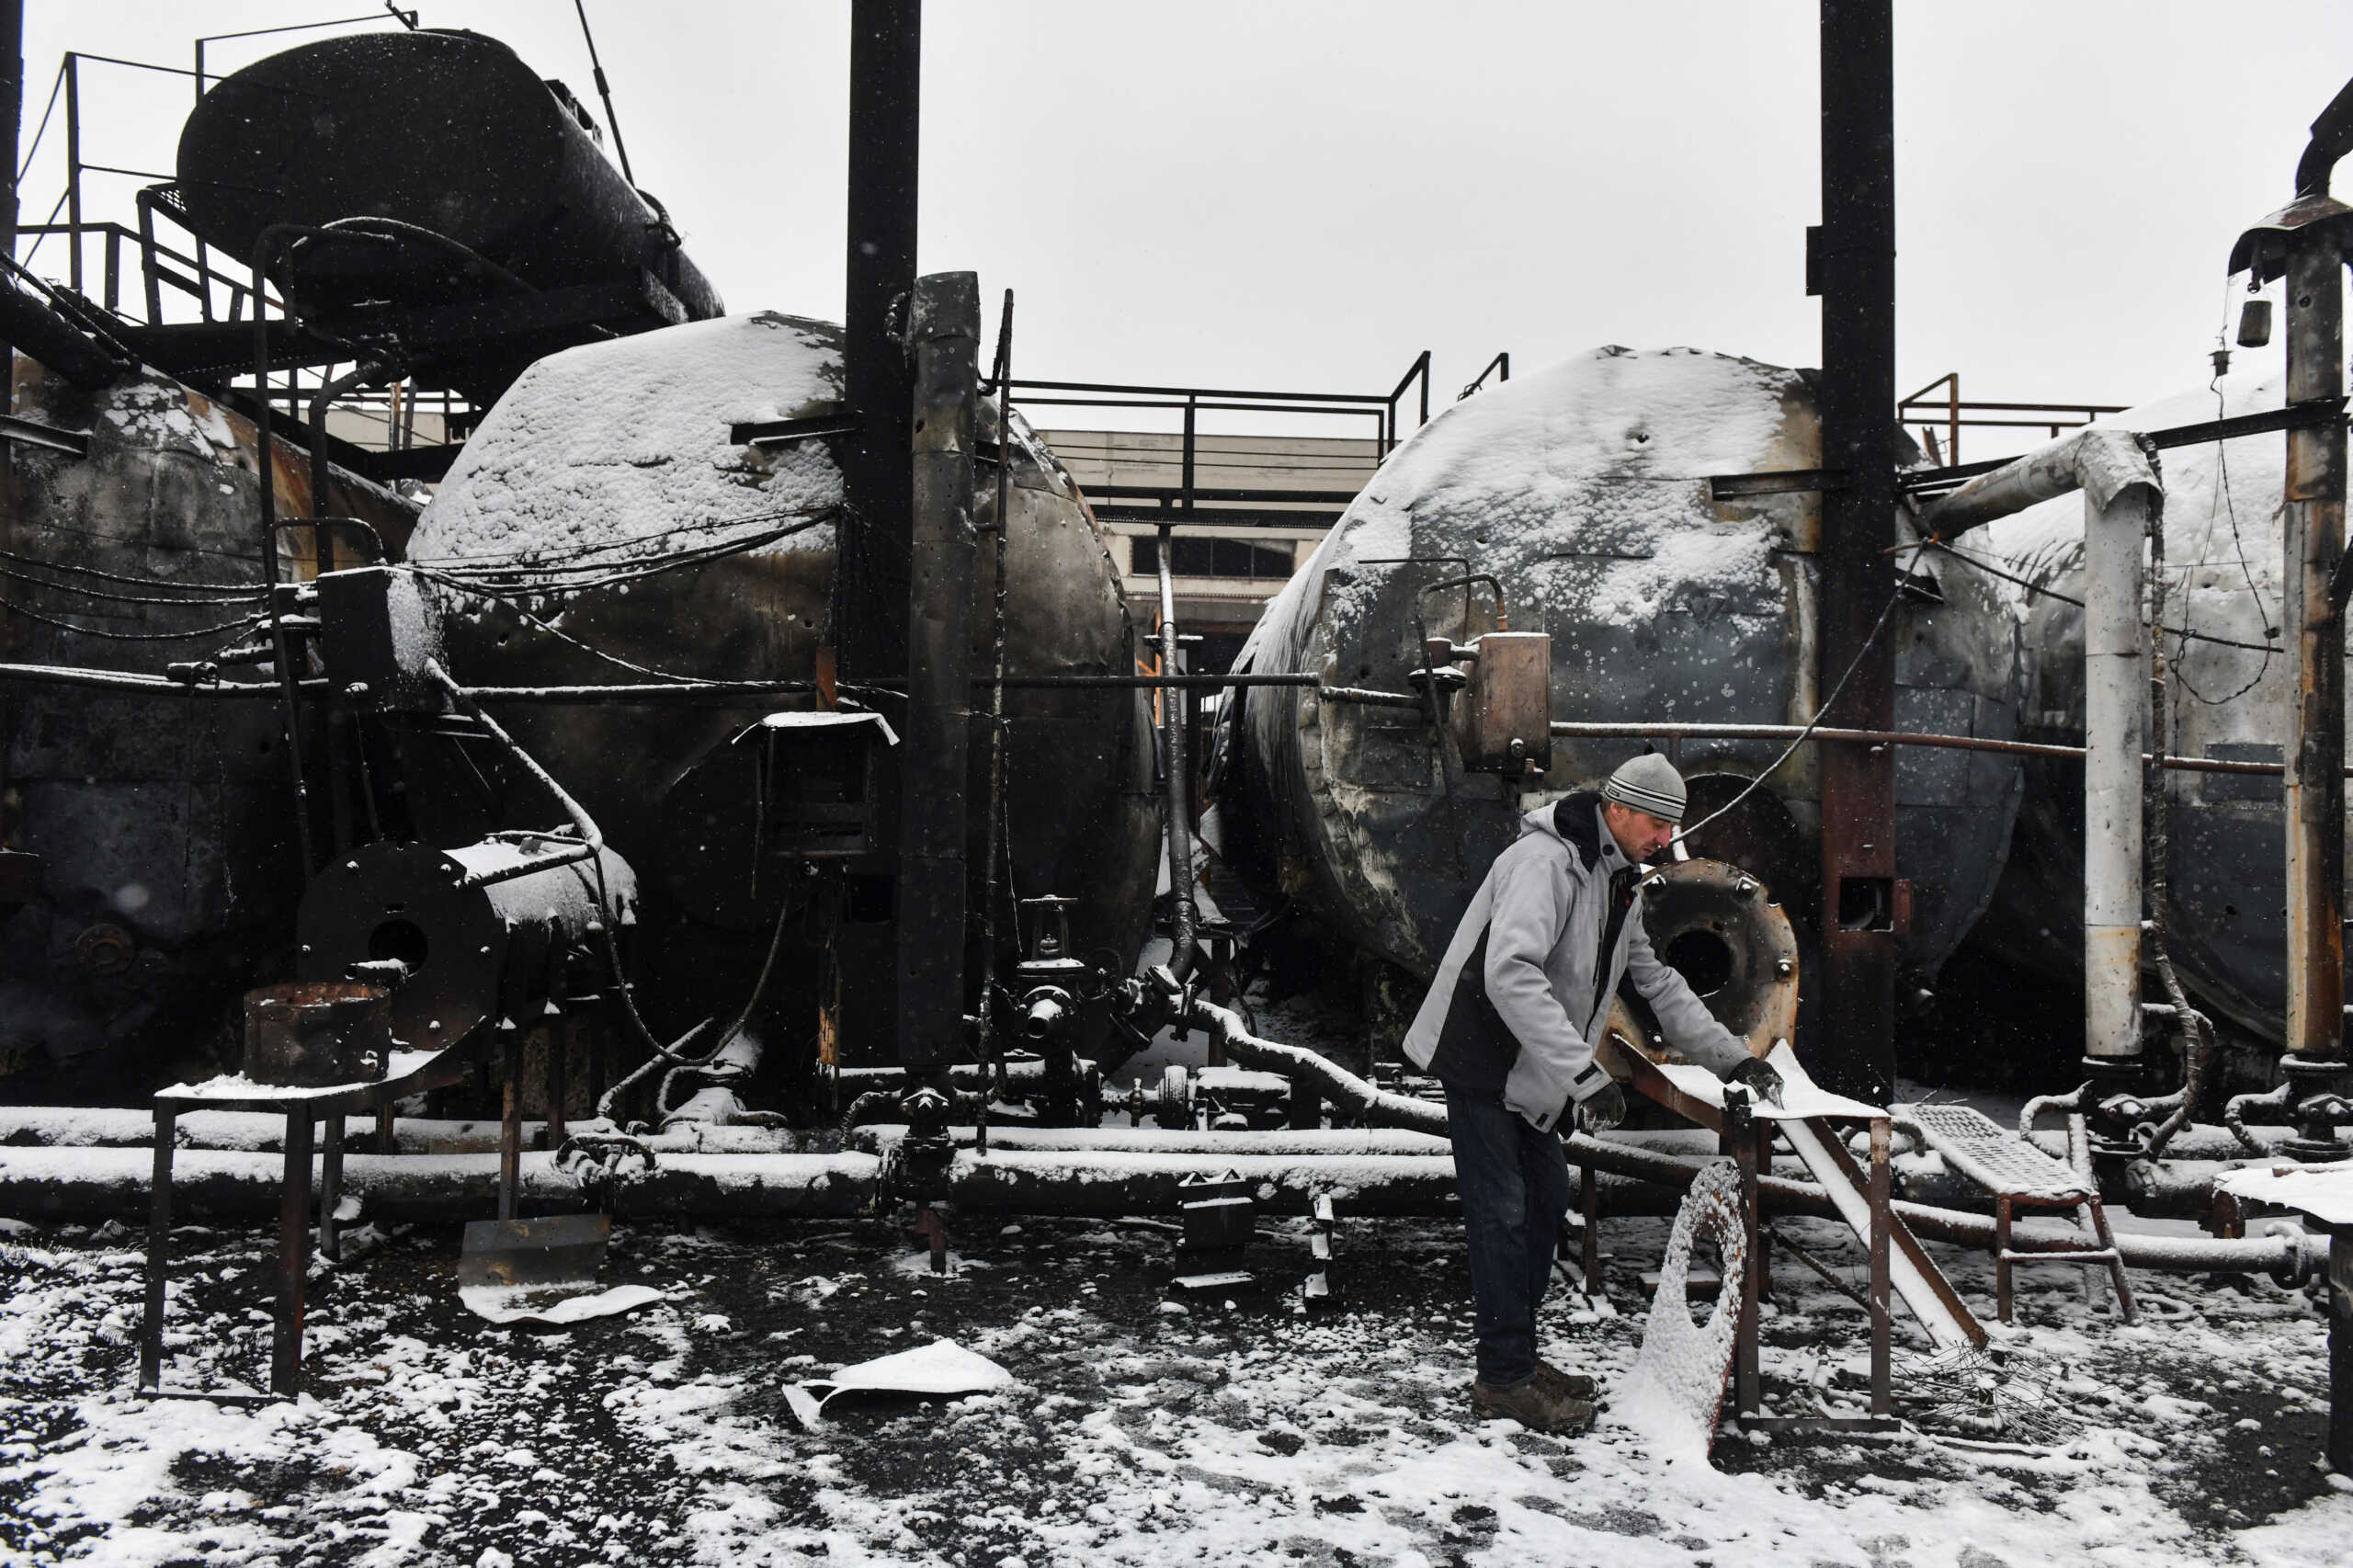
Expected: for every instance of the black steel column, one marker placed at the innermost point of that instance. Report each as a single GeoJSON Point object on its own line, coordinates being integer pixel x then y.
{"type": "Point", "coordinates": [885, 121]}
{"type": "Point", "coordinates": [945, 335]}
{"type": "Point", "coordinates": [1856, 278]}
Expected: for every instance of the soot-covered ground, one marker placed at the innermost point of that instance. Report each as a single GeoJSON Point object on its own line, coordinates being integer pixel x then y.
{"type": "Point", "coordinates": [1141, 1427]}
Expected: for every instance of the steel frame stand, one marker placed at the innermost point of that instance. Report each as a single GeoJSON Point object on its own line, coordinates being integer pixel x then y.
{"type": "Point", "coordinates": [305, 1110]}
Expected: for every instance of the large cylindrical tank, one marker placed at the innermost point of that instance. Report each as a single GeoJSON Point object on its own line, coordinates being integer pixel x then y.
{"type": "Point", "coordinates": [446, 130]}
{"type": "Point", "coordinates": [618, 461]}
{"type": "Point", "coordinates": [2225, 916]}
{"type": "Point", "coordinates": [1584, 489]}
{"type": "Point", "coordinates": [164, 824]}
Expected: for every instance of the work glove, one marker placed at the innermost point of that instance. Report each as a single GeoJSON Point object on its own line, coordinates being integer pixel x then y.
{"type": "Point", "coordinates": [1602, 1109]}
{"type": "Point", "coordinates": [1760, 1077]}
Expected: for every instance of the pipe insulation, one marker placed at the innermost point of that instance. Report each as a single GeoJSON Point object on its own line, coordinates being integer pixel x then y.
{"type": "Point", "coordinates": [2120, 485]}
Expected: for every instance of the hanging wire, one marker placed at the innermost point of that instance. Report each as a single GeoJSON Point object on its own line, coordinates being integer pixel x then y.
{"type": "Point", "coordinates": [80, 590]}
{"type": "Point", "coordinates": [1820, 713]}
{"type": "Point", "coordinates": [2223, 498]}
{"type": "Point", "coordinates": [1981, 564]}
{"type": "Point", "coordinates": [30, 614]}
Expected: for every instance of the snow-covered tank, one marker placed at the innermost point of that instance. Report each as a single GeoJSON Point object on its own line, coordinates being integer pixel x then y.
{"type": "Point", "coordinates": [2225, 917]}
{"type": "Point", "coordinates": [1585, 489]}
{"type": "Point", "coordinates": [607, 525]}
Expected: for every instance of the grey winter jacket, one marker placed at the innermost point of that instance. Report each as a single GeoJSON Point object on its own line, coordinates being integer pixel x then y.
{"type": "Point", "coordinates": [1516, 1005]}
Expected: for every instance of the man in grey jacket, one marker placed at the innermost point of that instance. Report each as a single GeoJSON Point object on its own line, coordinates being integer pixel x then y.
{"type": "Point", "coordinates": [1509, 1027]}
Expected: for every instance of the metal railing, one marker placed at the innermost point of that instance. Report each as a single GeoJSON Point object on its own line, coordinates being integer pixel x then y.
{"type": "Point", "coordinates": [1951, 411]}
{"type": "Point", "coordinates": [1230, 503]}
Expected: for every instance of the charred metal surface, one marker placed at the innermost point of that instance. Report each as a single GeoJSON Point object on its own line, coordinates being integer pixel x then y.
{"type": "Point", "coordinates": [944, 580]}
{"type": "Point", "coordinates": [1662, 606]}
{"type": "Point", "coordinates": [678, 796]}
{"type": "Point", "coordinates": [1854, 1050]}
{"type": "Point", "coordinates": [1724, 931]}
{"type": "Point", "coordinates": [468, 948]}
{"type": "Point", "coordinates": [159, 816]}
{"type": "Point", "coordinates": [869, 606]}
{"type": "Point", "coordinates": [451, 134]}
{"type": "Point", "coordinates": [312, 1033]}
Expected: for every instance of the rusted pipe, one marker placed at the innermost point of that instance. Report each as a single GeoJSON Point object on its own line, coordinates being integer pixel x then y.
{"type": "Point", "coordinates": [2312, 522]}
{"type": "Point", "coordinates": [1183, 917]}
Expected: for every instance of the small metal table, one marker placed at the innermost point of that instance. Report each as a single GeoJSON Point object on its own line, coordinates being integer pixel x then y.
{"type": "Point", "coordinates": [1899, 1265]}
{"type": "Point", "coordinates": [409, 1072]}
{"type": "Point", "coordinates": [2323, 1195]}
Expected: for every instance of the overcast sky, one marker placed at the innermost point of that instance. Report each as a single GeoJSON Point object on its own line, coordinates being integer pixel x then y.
{"type": "Point", "coordinates": [1307, 195]}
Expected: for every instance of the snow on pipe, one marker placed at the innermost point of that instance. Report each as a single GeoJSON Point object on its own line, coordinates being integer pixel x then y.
{"type": "Point", "coordinates": [1360, 1171]}
{"type": "Point", "coordinates": [2120, 484]}
{"type": "Point", "coordinates": [2287, 1258]}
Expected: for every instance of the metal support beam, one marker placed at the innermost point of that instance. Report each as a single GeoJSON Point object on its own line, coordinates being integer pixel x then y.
{"type": "Point", "coordinates": [945, 335]}
{"type": "Point", "coordinates": [1857, 277]}
{"type": "Point", "coordinates": [2314, 635]}
{"type": "Point", "coordinates": [293, 1256]}
{"type": "Point", "coordinates": [885, 119]}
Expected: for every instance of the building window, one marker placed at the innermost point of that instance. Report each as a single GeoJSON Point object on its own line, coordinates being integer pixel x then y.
{"type": "Point", "coordinates": [1215, 558]}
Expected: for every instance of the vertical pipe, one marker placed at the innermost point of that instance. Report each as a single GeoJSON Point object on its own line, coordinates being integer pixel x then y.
{"type": "Point", "coordinates": [945, 335]}
{"type": "Point", "coordinates": [886, 117]}
{"type": "Point", "coordinates": [2116, 683]}
{"type": "Point", "coordinates": [73, 170]}
{"type": "Point", "coordinates": [2314, 635]}
{"type": "Point", "coordinates": [293, 1255]}
{"type": "Point", "coordinates": [1858, 284]}
{"type": "Point", "coordinates": [1176, 809]}
{"type": "Point", "coordinates": [203, 263]}
{"type": "Point", "coordinates": [991, 845]}
{"type": "Point", "coordinates": [1185, 484]}
{"type": "Point", "coordinates": [264, 446]}
{"type": "Point", "coordinates": [159, 1250]}
{"type": "Point", "coordinates": [12, 108]}
{"type": "Point", "coordinates": [1953, 418]}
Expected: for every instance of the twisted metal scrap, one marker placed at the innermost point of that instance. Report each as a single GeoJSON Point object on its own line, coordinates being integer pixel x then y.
{"type": "Point", "coordinates": [1984, 1393]}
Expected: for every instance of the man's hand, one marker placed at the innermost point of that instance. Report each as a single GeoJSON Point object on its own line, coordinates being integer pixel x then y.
{"type": "Point", "coordinates": [1602, 1111]}
{"type": "Point", "coordinates": [1760, 1077]}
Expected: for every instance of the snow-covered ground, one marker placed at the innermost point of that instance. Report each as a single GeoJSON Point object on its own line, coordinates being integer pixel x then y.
{"type": "Point", "coordinates": [1140, 1428]}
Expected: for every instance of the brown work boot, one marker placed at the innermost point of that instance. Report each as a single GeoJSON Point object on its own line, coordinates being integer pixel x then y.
{"type": "Point", "coordinates": [1535, 1404]}
{"type": "Point", "coordinates": [1568, 1385]}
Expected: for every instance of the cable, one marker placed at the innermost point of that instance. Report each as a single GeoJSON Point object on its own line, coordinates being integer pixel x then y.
{"type": "Point", "coordinates": [2033, 587]}
{"type": "Point", "coordinates": [2189, 600]}
{"type": "Point", "coordinates": [613, 659]}
{"type": "Point", "coordinates": [34, 150]}
{"type": "Point", "coordinates": [533, 582]}
{"type": "Point", "coordinates": [528, 557]}
{"type": "Point", "coordinates": [13, 607]}
{"type": "Point", "coordinates": [1820, 713]}
{"type": "Point", "coordinates": [48, 566]}
{"type": "Point", "coordinates": [79, 591]}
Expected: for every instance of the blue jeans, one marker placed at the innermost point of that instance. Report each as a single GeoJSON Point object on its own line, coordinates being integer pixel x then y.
{"type": "Point", "coordinates": [1514, 1183]}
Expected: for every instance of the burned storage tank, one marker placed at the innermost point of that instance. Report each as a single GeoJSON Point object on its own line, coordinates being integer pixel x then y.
{"type": "Point", "coordinates": [149, 829]}
{"type": "Point", "coordinates": [2229, 698]}
{"type": "Point", "coordinates": [618, 520]}
{"type": "Point", "coordinates": [453, 176]}
{"type": "Point", "coordinates": [1584, 492]}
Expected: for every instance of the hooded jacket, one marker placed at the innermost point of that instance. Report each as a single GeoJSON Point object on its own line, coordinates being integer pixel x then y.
{"type": "Point", "coordinates": [1524, 987]}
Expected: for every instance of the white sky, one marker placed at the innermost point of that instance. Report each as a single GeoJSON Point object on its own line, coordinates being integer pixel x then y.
{"type": "Point", "coordinates": [1305, 194]}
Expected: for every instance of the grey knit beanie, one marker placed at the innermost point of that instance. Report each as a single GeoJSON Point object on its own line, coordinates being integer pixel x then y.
{"type": "Point", "coordinates": [1648, 783]}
